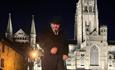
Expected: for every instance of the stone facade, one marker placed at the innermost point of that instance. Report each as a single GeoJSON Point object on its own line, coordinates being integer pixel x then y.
{"type": "Point", "coordinates": [9, 58]}
{"type": "Point", "coordinates": [93, 50]}
{"type": "Point", "coordinates": [25, 42]}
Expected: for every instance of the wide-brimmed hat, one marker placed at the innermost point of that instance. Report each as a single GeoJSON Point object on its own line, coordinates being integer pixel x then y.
{"type": "Point", "coordinates": [56, 20]}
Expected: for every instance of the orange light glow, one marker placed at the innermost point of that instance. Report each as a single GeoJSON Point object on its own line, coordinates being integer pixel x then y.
{"type": "Point", "coordinates": [34, 54]}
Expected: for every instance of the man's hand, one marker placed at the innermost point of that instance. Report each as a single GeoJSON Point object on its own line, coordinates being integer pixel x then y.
{"type": "Point", "coordinates": [65, 57]}
{"type": "Point", "coordinates": [54, 50]}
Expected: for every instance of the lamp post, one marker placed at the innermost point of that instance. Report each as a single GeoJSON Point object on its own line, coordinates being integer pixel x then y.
{"type": "Point", "coordinates": [34, 54]}
{"type": "Point", "coordinates": [34, 58]}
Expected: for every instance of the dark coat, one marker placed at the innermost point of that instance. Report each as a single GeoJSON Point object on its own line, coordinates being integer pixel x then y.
{"type": "Point", "coordinates": [47, 41]}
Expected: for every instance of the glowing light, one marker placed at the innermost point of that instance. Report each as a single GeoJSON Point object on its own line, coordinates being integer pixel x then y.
{"type": "Point", "coordinates": [34, 54]}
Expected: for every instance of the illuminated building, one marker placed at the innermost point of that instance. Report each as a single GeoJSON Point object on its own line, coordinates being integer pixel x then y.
{"type": "Point", "coordinates": [10, 59]}
{"type": "Point", "coordinates": [93, 51]}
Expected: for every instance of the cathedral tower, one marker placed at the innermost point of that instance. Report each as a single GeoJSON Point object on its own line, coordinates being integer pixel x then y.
{"type": "Point", "coordinates": [33, 33]}
{"type": "Point", "coordinates": [86, 19]}
{"type": "Point", "coordinates": [9, 31]}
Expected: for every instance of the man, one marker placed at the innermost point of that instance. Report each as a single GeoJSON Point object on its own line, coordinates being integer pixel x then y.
{"type": "Point", "coordinates": [55, 48]}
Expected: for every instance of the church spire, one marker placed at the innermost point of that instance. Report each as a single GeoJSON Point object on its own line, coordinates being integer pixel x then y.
{"type": "Point", "coordinates": [33, 30]}
{"type": "Point", "coordinates": [33, 33]}
{"type": "Point", "coordinates": [9, 30]}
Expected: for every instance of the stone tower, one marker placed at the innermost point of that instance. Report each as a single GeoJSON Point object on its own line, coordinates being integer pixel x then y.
{"type": "Point", "coordinates": [9, 31]}
{"type": "Point", "coordinates": [33, 33]}
{"type": "Point", "coordinates": [86, 19]}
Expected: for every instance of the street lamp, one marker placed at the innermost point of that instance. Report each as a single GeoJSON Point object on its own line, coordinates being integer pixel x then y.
{"type": "Point", "coordinates": [34, 57]}
{"type": "Point", "coordinates": [34, 54]}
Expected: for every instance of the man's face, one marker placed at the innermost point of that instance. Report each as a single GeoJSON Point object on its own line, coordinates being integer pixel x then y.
{"type": "Point", "coordinates": [55, 27]}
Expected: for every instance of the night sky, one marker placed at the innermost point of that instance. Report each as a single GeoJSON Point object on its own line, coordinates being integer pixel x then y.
{"type": "Point", "coordinates": [43, 10]}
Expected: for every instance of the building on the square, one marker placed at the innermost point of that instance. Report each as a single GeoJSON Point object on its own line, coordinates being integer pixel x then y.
{"type": "Point", "coordinates": [93, 50]}
{"type": "Point", "coordinates": [25, 43]}
{"type": "Point", "coordinates": [10, 59]}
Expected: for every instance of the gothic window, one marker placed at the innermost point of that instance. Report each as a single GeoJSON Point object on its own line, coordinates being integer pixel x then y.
{"type": "Point", "coordinates": [87, 28]}
{"type": "Point", "coordinates": [90, 8]}
{"type": "Point", "coordinates": [82, 59]}
{"type": "Point", "coordinates": [110, 60]}
{"type": "Point", "coordinates": [94, 56]}
{"type": "Point", "coordinates": [85, 9]}
{"type": "Point", "coordinates": [110, 57]}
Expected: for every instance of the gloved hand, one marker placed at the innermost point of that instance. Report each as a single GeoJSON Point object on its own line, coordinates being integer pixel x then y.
{"type": "Point", "coordinates": [54, 50]}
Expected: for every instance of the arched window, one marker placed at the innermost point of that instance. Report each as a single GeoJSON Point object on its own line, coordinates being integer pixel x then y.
{"type": "Point", "coordinates": [82, 59]}
{"type": "Point", "coordinates": [90, 8]}
{"type": "Point", "coordinates": [85, 9]}
{"type": "Point", "coordinates": [94, 56]}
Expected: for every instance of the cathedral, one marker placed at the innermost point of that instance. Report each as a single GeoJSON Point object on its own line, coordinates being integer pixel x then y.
{"type": "Point", "coordinates": [90, 50]}
{"type": "Point", "coordinates": [93, 52]}
{"type": "Point", "coordinates": [20, 36]}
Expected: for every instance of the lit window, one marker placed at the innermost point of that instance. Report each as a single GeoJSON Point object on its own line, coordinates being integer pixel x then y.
{"type": "Point", "coordinates": [2, 63]}
{"type": "Point", "coordinates": [3, 47]}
